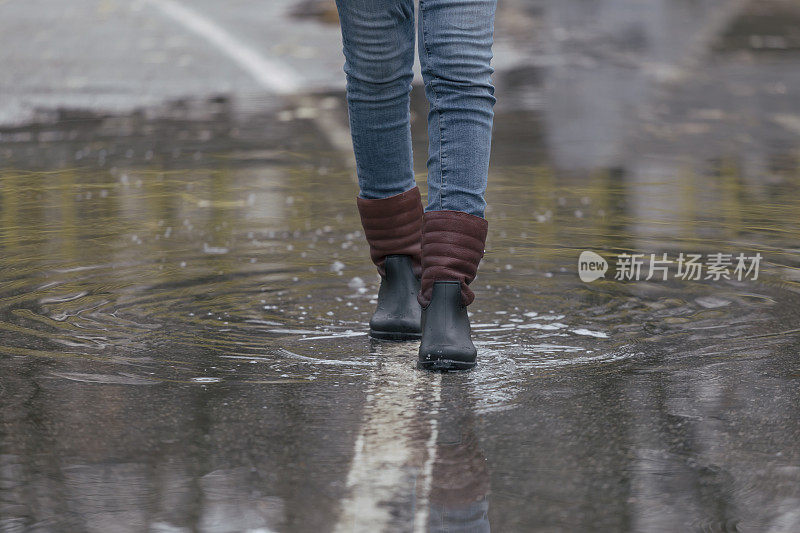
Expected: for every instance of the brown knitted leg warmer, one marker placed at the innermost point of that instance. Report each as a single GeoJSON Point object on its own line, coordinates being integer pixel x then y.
{"type": "Point", "coordinates": [452, 247]}
{"type": "Point", "coordinates": [393, 226]}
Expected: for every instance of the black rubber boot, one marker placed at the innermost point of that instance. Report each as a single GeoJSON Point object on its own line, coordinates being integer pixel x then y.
{"type": "Point", "coordinates": [397, 316]}
{"type": "Point", "coordinates": [446, 343]}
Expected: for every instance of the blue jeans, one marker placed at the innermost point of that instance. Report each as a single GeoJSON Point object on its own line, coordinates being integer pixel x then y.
{"type": "Point", "coordinates": [455, 51]}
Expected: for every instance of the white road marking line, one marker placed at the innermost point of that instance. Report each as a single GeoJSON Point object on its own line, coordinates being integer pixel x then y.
{"type": "Point", "coordinates": [423, 498]}
{"type": "Point", "coordinates": [390, 463]}
{"type": "Point", "coordinates": [269, 74]}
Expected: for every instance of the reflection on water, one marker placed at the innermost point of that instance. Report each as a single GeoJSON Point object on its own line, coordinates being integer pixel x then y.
{"type": "Point", "coordinates": [184, 300]}
{"type": "Point", "coordinates": [460, 481]}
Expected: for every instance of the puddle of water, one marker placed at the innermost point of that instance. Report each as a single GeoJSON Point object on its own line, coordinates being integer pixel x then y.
{"type": "Point", "coordinates": [190, 288]}
{"type": "Point", "coordinates": [183, 315]}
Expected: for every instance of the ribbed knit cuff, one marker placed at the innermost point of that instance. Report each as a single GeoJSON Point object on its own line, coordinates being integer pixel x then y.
{"type": "Point", "coordinates": [393, 226]}
{"type": "Point", "coordinates": [452, 248]}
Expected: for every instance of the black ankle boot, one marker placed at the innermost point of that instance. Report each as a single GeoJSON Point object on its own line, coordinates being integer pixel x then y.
{"type": "Point", "coordinates": [397, 316]}
{"type": "Point", "coordinates": [393, 228]}
{"type": "Point", "coordinates": [446, 343]}
{"type": "Point", "coordinates": [452, 248]}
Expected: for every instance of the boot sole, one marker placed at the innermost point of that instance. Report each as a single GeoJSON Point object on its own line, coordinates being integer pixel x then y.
{"type": "Point", "coordinates": [394, 335]}
{"type": "Point", "coordinates": [445, 365]}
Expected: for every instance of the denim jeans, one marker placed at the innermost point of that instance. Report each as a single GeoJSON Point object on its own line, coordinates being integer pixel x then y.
{"type": "Point", "coordinates": [455, 51]}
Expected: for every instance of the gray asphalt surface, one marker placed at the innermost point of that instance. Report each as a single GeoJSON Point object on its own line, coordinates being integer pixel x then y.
{"type": "Point", "coordinates": [185, 287]}
{"type": "Point", "coordinates": [119, 56]}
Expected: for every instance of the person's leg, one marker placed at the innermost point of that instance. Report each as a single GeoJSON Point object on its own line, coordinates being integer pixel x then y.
{"type": "Point", "coordinates": [455, 49]}
{"type": "Point", "coordinates": [378, 38]}
{"type": "Point", "coordinates": [378, 42]}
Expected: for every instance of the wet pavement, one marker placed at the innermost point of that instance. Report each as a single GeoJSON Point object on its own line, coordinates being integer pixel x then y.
{"type": "Point", "coordinates": [186, 289]}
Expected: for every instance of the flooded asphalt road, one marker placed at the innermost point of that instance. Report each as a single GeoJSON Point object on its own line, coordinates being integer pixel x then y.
{"type": "Point", "coordinates": [186, 289]}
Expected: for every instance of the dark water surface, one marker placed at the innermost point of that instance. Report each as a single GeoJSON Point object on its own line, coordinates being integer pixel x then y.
{"type": "Point", "coordinates": [185, 295]}
{"type": "Point", "coordinates": [184, 348]}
